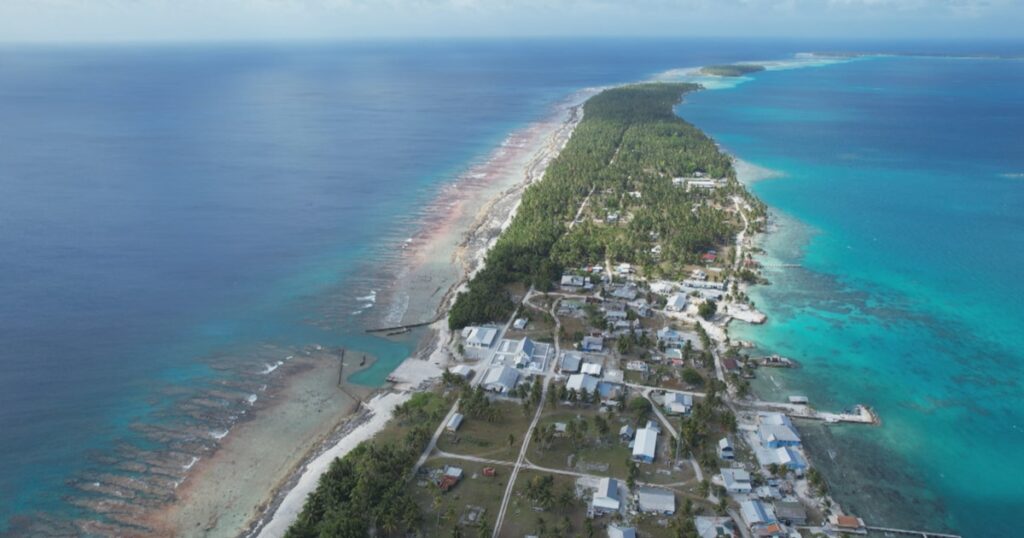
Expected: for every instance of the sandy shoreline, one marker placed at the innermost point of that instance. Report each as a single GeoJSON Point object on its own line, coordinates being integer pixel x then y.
{"type": "Point", "coordinates": [256, 482]}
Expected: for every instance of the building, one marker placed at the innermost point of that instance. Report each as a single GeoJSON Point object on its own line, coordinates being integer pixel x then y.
{"type": "Point", "coordinates": [715, 527]}
{"type": "Point", "coordinates": [636, 366]}
{"type": "Point", "coordinates": [776, 430]}
{"type": "Point", "coordinates": [677, 303]}
{"type": "Point", "coordinates": [644, 445]}
{"type": "Point", "coordinates": [610, 393]}
{"type": "Point", "coordinates": [606, 497]}
{"type": "Point", "coordinates": [656, 500]}
{"type": "Point", "coordinates": [449, 477]}
{"type": "Point", "coordinates": [591, 368]}
{"type": "Point", "coordinates": [454, 423]}
{"type": "Point", "coordinates": [677, 403]}
{"type": "Point", "coordinates": [704, 285]}
{"type": "Point", "coordinates": [592, 343]}
{"type": "Point", "coordinates": [725, 449]}
{"type": "Point", "coordinates": [626, 433]}
{"type": "Point", "coordinates": [791, 512]}
{"type": "Point", "coordinates": [755, 513]}
{"type": "Point", "coordinates": [626, 291]}
{"type": "Point", "coordinates": [575, 283]}
{"type": "Point", "coordinates": [501, 379]}
{"type": "Point", "coordinates": [615, 315]}
{"type": "Point", "coordinates": [615, 531]}
{"type": "Point", "coordinates": [462, 371]}
{"type": "Point", "coordinates": [519, 324]}
{"type": "Point", "coordinates": [477, 340]}
{"type": "Point", "coordinates": [581, 383]}
{"type": "Point", "coordinates": [851, 524]}
{"type": "Point", "coordinates": [736, 480]}
{"type": "Point", "coordinates": [570, 362]}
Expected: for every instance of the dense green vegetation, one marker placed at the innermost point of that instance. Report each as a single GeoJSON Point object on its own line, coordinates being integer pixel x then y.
{"type": "Point", "coordinates": [733, 70]}
{"type": "Point", "coordinates": [623, 154]}
{"type": "Point", "coordinates": [367, 492]}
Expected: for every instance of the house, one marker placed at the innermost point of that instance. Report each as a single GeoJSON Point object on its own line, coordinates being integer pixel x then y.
{"type": "Point", "coordinates": [674, 338]}
{"type": "Point", "coordinates": [570, 362]}
{"type": "Point", "coordinates": [614, 375]}
{"type": "Point", "coordinates": [697, 274]}
{"type": "Point", "coordinates": [591, 368]}
{"type": "Point", "coordinates": [501, 379]}
{"type": "Point", "coordinates": [645, 445]}
{"type": "Point", "coordinates": [592, 343]}
{"type": "Point", "coordinates": [519, 324]}
{"type": "Point", "coordinates": [575, 282]}
{"type": "Point", "coordinates": [609, 392]}
{"type": "Point", "coordinates": [677, 303]}
{"type": "Point", "coordinates": [615, 531]}
{"type": "Point", "coordinates": [615, 315]}
{"type": "Point", "coordinates": [561, 429]}
{"type": "Point", "coordinates": [730, 365]}
{"type": "Point", "coordinates": [518, 351]}
{"type": "Point", "coordinates": [636, 366]}
{"type": "Point", "coordinates": [791, 513]}
{"type": "Point", "coordinates": [674, 355]}
{"type": "Point", "coordinates": [790, 458]}
{"type": "Point", "coordinates": [477, 340]}
{"type": "Point", "coordinates": [851, 524]}
{"type": "Point", "coordinates": [462, 371]}
{"type": "Point", "coordinates": [770, 530]}
{"type": "Point", "coordinates": [606, 498]}
{"type": "Point", "coordinates": [449, 477]}
{"type": "Point", "coordinates": [703, 285]}
{"type": "Point", "coordinates": [677, 403]}
{"type": "Point", "coordinates": [641, 307]}
{"type": "Point", "coordinates": [736, 480]}
{"type": "Point", "coordinates": [653, 425]}
{"type": "Point", "coordinates": [656, 500]}
{"type": "Point", "coordinates": [776, 430]}
{"type": "Point", "coordinates": [581, 382]}
{"type": "Point", "coordinates": [709, 256]}
{"type": "Point", "coordinates": [626, 291]}
{"type": "Point", "coordinates": [626, 433]}
{"type": "Point", "coordinates": [715, 527]}
{"type": "Point", "coordinates": [725, 450]}
{"type": "Point", "coordinates": [755, 513]}
{"type": "Point", "coordinates": [454, 423]}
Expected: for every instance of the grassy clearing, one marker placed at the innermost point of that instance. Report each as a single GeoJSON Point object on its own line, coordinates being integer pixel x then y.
{"type": "Point", "coordinates": [477, 437]}
{"type": "Point", "coordinates": [475, 490]}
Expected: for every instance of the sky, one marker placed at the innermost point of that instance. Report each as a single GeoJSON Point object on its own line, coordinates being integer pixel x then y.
{"type": "Point", "coordinates": [242, 20]}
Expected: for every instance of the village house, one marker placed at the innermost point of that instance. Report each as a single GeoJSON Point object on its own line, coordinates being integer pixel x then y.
{"type": "Point", "coordinates": [606, 497]}
{"type": "Point", "coordinates": [626, 433]}
{"type": "Point", "coordinates": [725, 449]}
{"type": "Point", "coordinates": [715, 527]}
{"type": "Point", "coordinates": [575, 283]}
{"type": "Point", "coordinates": [478, 340]}
{"type": "Point", "coordinates": [850, 524]}
{"type": "Point", "coordinates": [677, 303]}
{"type": "Point", "coordinates": [791, 513]}
{"type": "Point", "coordinates": [756, 514]}
{"type": "Point", "coordinates": [570, 362]}
{"type": "Point", "coordinates": [677, 403]}
{"type": "Point", "coordinates": [592, 343]}
{"type": "Point", "coordinates": [581, 383]}
{"type": "Point", "coordinates": [615, 531]}
{"type": "Point", "coordinates": [644, 445]}
{"type": "Point", "coordinates": [454, 423]}
{"type": "Point", "coordinates": [519, 324]}
{"type": "Point", "coordinates": [776, 430]}
{"type": "Point", "coordinates": [651, 500]}
{"type": "Point", "coordinates": [501, 379]}
{"type": "Point", "coordinates": [736, 480]}
{"type": "Point", "coordinates": [461, 370]}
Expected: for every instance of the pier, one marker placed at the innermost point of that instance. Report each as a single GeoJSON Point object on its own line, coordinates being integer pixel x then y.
{"type": "Point", "coordinates": [401, 328]}
{"type": "Point", "coordinates": [864, 414]}
{"type": "Point", "coordinates": [909, 532]}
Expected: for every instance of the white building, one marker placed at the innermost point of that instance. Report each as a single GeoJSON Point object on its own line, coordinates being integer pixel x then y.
{"type": "Point", "coordinates": [677, 403]}
{"type": "Point", "coordinates": [606, 497]}
{"type": "Point", "coordinates": [725, 449]}
{"type": "Point", "coordinates": [501, 379]}
{"type": "Point", "coordinates": [736, 481]}
{"type": "Point", "coordinates": [656, 500]}
{"type": "Point", "coordinates": [477, 340]}
{"type": "Point", "coordinates": [582, 382]}
{"type": "Point", "coordinates": [645, 444]}
{"type": "Point", "coordinates": [591, 368]}
{"type": "Point", "coordinates": [570, 362]}
{"type": "Point", "coordinates": [454, 422]}
{"type": "Point", "coordinates": [677, 303]}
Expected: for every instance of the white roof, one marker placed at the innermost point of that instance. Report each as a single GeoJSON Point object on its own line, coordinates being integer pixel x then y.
{"type": "Point", "coordinates": [454, 422]}
{"type": "Point", "coordinates": [777, 432]}
{"type": "Point", "coordinates": [676, 302]}
{"type": "Point", "coordinates": [607, 495]}
{"type": "Point", "coordinates": [756, 512]}
{"type": "Point", "coordinates": [615, 531]}
{"type": "Point", "coordinates": [580, 382]}
{"type": "Point", "coordinates": [501, 377]}
{"type": "Point", "coordinates": [570, 361]}
{"type": "Point", "coordinates": [707, 527]}
{"type": "Point", "coordinates": [736, 480]}
{"type": "Point", "coordinates": [591, 368]}
{"type": "Point", "coordinates": [724, 444]}
{"type": "Point", "coordinates": [481, 336]}
{"type": "Point", "coordinates": [461, 370]}
{"type": "Point", "coordinates": [646, 441]}
{"type": "Point", "coordinates": [656, 500]}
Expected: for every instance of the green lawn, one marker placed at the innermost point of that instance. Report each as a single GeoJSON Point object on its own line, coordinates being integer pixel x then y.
{"type": "Point", "coordinates": [522, 519]}
{"type": "Point", "coordinates": [477, 437]}
{"type": "Point", "coordinates": [475, 490]}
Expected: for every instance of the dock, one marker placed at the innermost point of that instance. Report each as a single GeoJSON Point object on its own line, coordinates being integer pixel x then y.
{"type": "Point", "coordinates": [909, 532]}
{"type": "Point", "coordinates": [863, 414]}
{"type": "Point", "coordinates": [401, 328]}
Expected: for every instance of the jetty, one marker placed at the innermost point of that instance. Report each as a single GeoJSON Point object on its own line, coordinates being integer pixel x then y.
{"type": "Point", "coordinates": [398, 329]}
{"type": "Point", "coordinates": [861, 414]}
{"type": "Point", "coordinates": [910, 532]}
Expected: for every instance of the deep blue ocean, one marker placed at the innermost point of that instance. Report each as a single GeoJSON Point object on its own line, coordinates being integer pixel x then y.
{"type": "Point", "coordinates": [163, 207]}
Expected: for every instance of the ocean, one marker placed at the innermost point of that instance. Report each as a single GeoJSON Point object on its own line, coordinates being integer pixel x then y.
{"type": "Point", "coordinates": [174, 219]}
{"type": "Point", "coordinates": [897, 185]}
{"type": "Point", "coordinates": [178, 217]}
